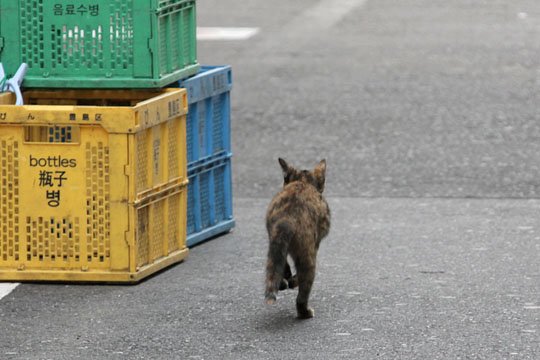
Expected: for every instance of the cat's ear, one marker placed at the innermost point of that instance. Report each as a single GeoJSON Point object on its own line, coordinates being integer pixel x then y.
{"type": "Point", "coordinates": [287, 170]}
{"type": "Point", "coordinates": [320, 175]}
{"type": "Point", "coordinates": [284, 165]}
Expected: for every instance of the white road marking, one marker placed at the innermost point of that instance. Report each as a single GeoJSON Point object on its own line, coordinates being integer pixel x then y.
{"type": "Point", "coordinates": [6, 288]}
{"type": "Point", "coordinates": [226, 33]}
{"type": "Point", "coordinates": [306, 27]}
{"type": "Point", "coordinates": [327, 12]}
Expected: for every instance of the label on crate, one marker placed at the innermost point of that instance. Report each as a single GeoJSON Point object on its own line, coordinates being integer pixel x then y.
{"type": "Point", "coordinates": [52, 161]}
{"type": "Point", "coordinates": [98, 117]}
{"type": "Point", "coordinates": [212, 85]}
{"type": "Point", "coordinates": [75, 8]}
{"type": "Point", "coordinates": [52, 176]}
{"type": "Point", "coordinates": [174, 108]}
{"type": "Point", "coordinates": [156, 160]}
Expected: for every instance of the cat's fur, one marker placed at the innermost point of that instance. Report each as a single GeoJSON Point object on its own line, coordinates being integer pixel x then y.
{"type": "Point", "coordinates": [298, 218]}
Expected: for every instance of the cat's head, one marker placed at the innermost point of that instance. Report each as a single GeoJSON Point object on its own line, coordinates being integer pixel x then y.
{"type": "Point", "coordinates": [316, 177]}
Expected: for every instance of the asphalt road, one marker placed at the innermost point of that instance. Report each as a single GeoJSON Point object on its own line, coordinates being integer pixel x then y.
{"type": "Point", "coordinates": [425, 111]}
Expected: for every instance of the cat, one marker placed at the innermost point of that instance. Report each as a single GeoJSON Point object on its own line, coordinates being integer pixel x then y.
{"type": "Point", "coordinates": [297, 219]}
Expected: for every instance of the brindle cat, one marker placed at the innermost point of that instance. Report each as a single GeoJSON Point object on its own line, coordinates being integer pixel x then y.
{"type": "Point", "coordinates": [298, 218]}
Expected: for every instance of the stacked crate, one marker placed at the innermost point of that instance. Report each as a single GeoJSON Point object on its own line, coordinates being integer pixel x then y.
{"type": "Point", "coordinates": [93, 184]}
{"type": "Point", "coordinates": [99, 43]}
{"type": "Point", "coordinates": [209, 153]}
{"type": "Point", "coordinates": [94, 178]}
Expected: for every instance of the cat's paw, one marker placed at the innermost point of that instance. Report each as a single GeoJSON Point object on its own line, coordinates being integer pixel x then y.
{"type": "Point", "coordinates": [270, 299]}
{"type": "Point", "coordinates": [306, 313]}
{"type": "Point", "coordinates": [293, 282]}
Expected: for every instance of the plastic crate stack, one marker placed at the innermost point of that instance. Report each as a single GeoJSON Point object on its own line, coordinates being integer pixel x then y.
{"type": "Point", "coordinates": [209, 153]}
{"type": "Point", "coordinates": [95, 164]}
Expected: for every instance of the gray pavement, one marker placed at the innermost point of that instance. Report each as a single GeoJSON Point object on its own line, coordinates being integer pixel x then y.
{"type": "Point", "coordinates": [405, 98]}
{"type": "Point", "coordinates": [425, 111]}
{"type": "Point", "coordinates": [397, 279]}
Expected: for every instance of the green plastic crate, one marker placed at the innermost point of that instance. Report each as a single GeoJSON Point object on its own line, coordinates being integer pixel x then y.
{"type": "Point", "coordinates": [99, 43]}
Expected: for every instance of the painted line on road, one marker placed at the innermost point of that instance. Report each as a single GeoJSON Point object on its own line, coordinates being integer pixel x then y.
{"type": "Point", "coordinates": [309, 25]}
{"type": "Point", "coordinates": [6, 288]}
{"type": "Point", "coordinates": [226, 33]}
{"type": "Point", "coordinates": [327, 12]}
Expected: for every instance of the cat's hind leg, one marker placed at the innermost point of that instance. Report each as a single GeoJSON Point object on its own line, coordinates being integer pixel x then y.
{"type": "Point", "coordinates": [287, 275]}
{"type": "Point", "coordinates": [306, 275]}
{"type": "Point", "coordinates": [292, 280]}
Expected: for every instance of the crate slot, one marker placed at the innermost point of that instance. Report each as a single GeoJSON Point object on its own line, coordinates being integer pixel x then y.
{"type": "Point", "coordinates": [51, 134]}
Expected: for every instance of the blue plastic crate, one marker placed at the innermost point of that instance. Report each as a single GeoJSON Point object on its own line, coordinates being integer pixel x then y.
{"type": "Point", "coordinates": [209, 117]}
{"type": "Point", "coordinates": [209, 200]}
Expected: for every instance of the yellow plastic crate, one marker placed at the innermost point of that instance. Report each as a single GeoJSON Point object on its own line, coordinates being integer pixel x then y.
{"type": "Point", "coordinates": [93, 184]}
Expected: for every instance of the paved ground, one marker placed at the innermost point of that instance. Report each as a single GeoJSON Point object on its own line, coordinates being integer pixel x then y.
{"type": "Point", "coordinates": [425, 110]}
{"type": "Point", "coordinates": [398, 278]}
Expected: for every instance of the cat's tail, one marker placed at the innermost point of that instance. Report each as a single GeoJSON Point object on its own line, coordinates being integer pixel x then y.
{"type": "Point", "coordinates": [280, 234]}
